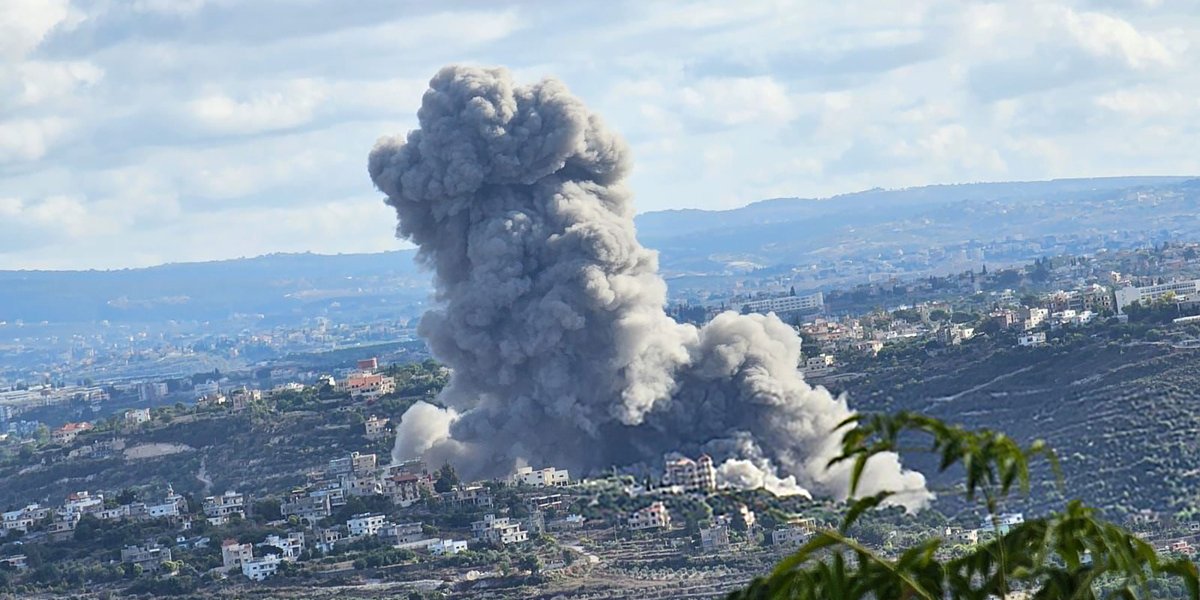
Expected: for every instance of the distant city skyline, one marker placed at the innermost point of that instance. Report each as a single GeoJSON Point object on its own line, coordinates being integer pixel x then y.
{"type": "Point", "coordinates": [156, 131]}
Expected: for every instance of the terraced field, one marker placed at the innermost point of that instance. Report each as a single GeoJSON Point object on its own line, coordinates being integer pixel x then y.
{"type": "Point", "coordinates": [1123, 415]}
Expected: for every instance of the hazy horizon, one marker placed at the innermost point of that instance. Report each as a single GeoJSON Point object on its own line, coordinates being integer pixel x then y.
{"type": "Point", "coordinates": [403, 246]}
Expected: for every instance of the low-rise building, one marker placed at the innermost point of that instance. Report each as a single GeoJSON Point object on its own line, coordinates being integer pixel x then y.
{"type": "Point", "coordinates": [242, 397]}
{"type": "Point", "coordinates": [24, 519]}
{"type": "Point", "coordinates": [714, 538]}
{"type": "Point", "coordinates": [1003, 522]}
{"type": "Point", "coordinates": [137, 416]}
{"type": "Point", "coordinates": [68, 432]}
{"type": "Point", "coordinates": [355, 462]}
{"type": "Point", "coordinates": [79, 503]}
{"type": "Point", "coordinates": [1034, 338]}
{"type": "Point", "coordinates": [150, 557]}
{"type": "Point", "coordinates": [261, 569]}
{"type": "Point", "coordinates": [376, 428]}
{"type": "Point", "coordinates": [219, 509]}
{"type": "Point", "coordinates": [365, 524]}
{"type": "Point", "coordinates": [469, 495]}
{"type": "Point", "coordinates": [15, 561]}
{"type": "Point", "coordinates": [544, 503]}
{"type": "Point", "coordinates": [792, 535]}
{"type": "Point", "coordinates": [292, 546]}
{"type": "Point", "coordinates": [546, 477]}
{"type": "Point", "coordinates": [447, 547]}
{"type": "Point", "coordinates": [959, 535]}
{"type": "Point", "coordinates": [234, 554]}
{"type": "Point", "coordinates": [819, 365]}
{"type": "Point", "coordinates": [212, 400]}
{"type": "Point", "coordinates": [208, 388]}
{"type": "Point", "coordinates": [1031, 317]}
{"type": "Point", "coordinates": [308, 508]}
{"type": "Point", "coordinates": [400, 534]}
{"type": "Point", "coordinates": [363, 485]}
{"type": "Point", "coordinates": [567, 523]}
{"type": "Point", "coordinates": [368, 385]}
{"type": "Point", "coordinates": [655, 516]}
{"type": "Point", "coordinates": [405, 489]}
{"type": "Point", "coordinates": [150, 392]}
{"type": "Point", "coordinates": [325, 539]}
{"type": "Point", "coordinates": [499, 530]}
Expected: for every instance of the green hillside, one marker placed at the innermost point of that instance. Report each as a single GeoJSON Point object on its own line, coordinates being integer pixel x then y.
{"type": "Point", "coordinates": [1123, 413]}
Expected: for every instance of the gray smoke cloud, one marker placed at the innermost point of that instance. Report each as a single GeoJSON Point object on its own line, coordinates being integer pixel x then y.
{"type": "Point", "coordinates": [550, 313]}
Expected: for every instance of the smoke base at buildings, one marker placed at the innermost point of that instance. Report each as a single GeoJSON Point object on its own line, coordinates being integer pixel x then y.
{"type": "Point", "coordinates": [550, 313]}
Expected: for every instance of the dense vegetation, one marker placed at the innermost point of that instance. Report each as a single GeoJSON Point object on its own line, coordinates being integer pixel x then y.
{"type": "Point", "coordinates": [1069, 553]}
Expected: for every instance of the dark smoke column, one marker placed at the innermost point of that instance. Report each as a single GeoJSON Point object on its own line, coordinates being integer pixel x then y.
{"type": "Point", "coordinates": [551, 312]}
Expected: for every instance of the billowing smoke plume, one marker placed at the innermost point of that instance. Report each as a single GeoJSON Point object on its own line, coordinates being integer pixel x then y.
{"type": "Point", "coordinates": [551, 313]}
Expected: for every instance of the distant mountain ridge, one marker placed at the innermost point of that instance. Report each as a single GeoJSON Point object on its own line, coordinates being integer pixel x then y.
{"type": "Point", "coordinates": [693, 243]}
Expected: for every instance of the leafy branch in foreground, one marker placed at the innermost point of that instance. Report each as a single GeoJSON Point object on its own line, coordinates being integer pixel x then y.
{"type": "Point", "coordinates": [1064, 555]}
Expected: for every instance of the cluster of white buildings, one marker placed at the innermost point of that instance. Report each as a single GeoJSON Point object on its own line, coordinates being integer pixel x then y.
{"type": "Point", "coordinates": [1179, 291]}
{"type": "Point", "coordinates": [64, 518]}
{"type": "Point", "coordinates": [237, 399]}
{"type": "Point", "coordinates": [240, 556]}
{"type": "Point", "coordinates": [358, 474]}
{"type": "Point", "coordinates": [16, 401]}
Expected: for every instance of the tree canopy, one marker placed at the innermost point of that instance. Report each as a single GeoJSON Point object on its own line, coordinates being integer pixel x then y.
{"type": "Point", "coordinates": [1069, 554]}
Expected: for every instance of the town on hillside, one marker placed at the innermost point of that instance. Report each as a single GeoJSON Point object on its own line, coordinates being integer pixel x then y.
{"type": "Point", "coordinates": [282, 475]}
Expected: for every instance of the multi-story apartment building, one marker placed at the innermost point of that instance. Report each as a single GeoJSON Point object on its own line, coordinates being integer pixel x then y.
{"type": "Point", "coordinates": [499, 530]}
{"type": "Point", "coordinates": [692, 475]}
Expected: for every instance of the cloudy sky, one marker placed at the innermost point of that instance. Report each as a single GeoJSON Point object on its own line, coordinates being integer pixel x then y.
{"type": "Point", "coordinates": [136, 132]}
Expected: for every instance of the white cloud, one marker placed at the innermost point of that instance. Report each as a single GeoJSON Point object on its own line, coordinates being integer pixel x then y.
{"type": "Point", "coordinates": [24, 24]}
{"type": "Point", "coordinates": [738, 100]}
{"type": "Point", "coordinates": [1141, 102]}
{"type": "Point", "coordinates": [168, 7]}
{"type": "Point", "coordinates": [30, 225]}
{"type": "Point", "coordinates": [209, 128]}
{"type": "Point", "coordinates": [291, 104]}
{"type": "Point", "coordinates": [1105, 36]}
{"type": "Point", "coordinates": [43, 81]}
{"type": "Point", "coordinates": [23, 140]}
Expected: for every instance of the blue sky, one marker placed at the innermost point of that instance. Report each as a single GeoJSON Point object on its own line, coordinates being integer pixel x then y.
{"type": "Point", "coordinates": [136, 132]}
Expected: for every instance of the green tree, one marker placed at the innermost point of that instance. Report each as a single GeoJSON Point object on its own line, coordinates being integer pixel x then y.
{"type": "Point", "coordinates": [1067, 554]}
{"type": "Point", "coordinates": [446, 479]}
{"type": "Point", "coordinates": [530, 562]}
